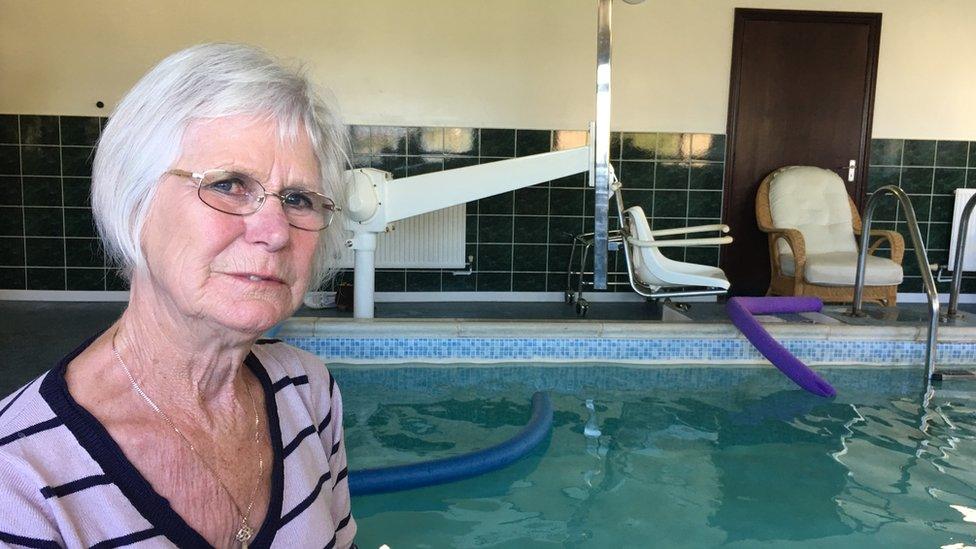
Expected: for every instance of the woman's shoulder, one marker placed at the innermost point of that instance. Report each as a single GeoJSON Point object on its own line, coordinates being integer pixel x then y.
{"type": "Point", "coordinates": [287, 364]}
{"type": "Point", "coordinates": [31, 403]}
{"type": "Point", "coordinates": [24, 413]}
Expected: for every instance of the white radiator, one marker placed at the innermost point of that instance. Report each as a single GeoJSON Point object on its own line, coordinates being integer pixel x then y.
{"type": "Point", "coordinates": [433, 240]}
{"type": "Point", "coordinates": [969, 260]}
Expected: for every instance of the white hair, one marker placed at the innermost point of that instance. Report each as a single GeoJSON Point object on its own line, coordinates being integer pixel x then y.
{"type": "Point", "coordinates": [144, 134]}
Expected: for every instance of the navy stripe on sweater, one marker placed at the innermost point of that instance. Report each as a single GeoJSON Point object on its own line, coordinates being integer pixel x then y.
{"type": "Point", "coordinates": [305, 503]}
{"type": "Point", "coordinates": [344, 522]}
{"type": "Point", "coordinates": [11, 403]}
{"type": "Point", "coordinates": [298, 439]}
{"type": "Point", "coordinates": [325, 422]}
{"type": "Point", "coordinates": [28, 542]}
{"type": "Point", "coordinates": [127, 539]}
{"type": "Point", "coordinates": [342, 474]}
{"type": "Point", "coordinates": [286, 381]}
{"type": "Point", "coordinates": [74, 486]}
{"type": "Point", "coordinates": [33, 429]}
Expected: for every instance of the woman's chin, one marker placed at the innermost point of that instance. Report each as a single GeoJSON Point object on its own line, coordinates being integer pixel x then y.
{"type": "Point", "coordinates": [253, 315]}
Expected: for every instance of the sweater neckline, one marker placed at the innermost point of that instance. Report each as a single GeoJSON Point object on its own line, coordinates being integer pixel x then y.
{"type": "Point", "coordinates": [99, 444]}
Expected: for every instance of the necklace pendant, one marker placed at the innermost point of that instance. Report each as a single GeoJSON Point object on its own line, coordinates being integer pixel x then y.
{"type": "Point", "coordinates": [244, 535]}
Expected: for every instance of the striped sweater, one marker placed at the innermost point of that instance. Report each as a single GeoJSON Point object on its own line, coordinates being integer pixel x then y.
{"type": "Point", "coordinates": [65, 483]}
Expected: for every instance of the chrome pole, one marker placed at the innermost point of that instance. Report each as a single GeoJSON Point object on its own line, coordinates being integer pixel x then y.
{"type": "Point", "coordinates": [923, 265]}
{"type": "Point", "coordinates": [601, 145]}
{"type": "Point", "coordinates": [862, 255]}
{"type": "Point", "coordinates": [956, 287]}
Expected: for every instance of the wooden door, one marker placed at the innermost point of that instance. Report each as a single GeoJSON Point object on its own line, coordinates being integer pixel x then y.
{"type": "Point", "coordinates": [801, 93]}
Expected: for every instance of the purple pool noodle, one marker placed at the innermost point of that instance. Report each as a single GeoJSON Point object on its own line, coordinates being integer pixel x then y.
{"type": "Point", "coordinates": [741, 309]}
{"type": "Point", "coordinates": [774, 305]}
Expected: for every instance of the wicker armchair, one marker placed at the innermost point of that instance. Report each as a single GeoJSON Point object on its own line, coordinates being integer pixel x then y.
{"type": "Point", "coordinates": [808, 200]}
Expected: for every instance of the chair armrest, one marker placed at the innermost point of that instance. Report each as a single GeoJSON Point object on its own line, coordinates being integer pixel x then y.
{"type": "Point", "coordinates": [680, 242]}
{"type": "Point", "coordinates": [686, 230]}
{"type": "Point", "coordinates": [895, 241]}
{"type": "Point", "coordinates": [794, 239]}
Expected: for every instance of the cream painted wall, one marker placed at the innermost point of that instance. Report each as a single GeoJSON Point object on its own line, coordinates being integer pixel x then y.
{"type": "Point", "coordinates": [487, 63]}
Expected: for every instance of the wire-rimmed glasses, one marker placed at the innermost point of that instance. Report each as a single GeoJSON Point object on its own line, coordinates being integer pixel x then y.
{"type": "Point", "coordinates": [237, 193]}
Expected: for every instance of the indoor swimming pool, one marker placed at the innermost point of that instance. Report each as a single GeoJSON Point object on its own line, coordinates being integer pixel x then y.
{"type": "Point", "coordinates": [669, 456]}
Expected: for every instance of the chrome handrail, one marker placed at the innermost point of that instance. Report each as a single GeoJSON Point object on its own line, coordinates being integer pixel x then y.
{"type": "Point", "coordinates": [967, 212]}
{"type": "Point", "coordinates": [923, 266]}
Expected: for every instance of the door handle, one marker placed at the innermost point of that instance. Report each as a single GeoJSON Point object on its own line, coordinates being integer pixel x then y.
{"type": "Point", "coordinates": [851, 168]}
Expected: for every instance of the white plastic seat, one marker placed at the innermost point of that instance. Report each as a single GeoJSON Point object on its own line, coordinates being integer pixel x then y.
{"type": "Point", "coordinates": [649, 273]}
{"type": "Point", "coordinates": [653, 269]}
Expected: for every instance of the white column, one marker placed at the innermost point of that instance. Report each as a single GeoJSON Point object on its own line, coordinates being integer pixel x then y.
{"type": "Point", "coordinates": [364, 281]}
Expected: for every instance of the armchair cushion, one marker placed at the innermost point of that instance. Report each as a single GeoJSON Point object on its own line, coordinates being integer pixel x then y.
{"type": "Point", "coordinates": [813, 201]}
{"type": "Point", "coordinates": [840, 269]}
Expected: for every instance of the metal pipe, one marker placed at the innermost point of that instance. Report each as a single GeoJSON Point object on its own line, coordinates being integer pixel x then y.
{"type": "Point", "coordinates": [967, 212]}
{"type": "Point", "coordinates": [923, 266]}
{"type": "Point", "coordinates": [601, 145]}
{"type": "Point", "coordinates": [569, 268]}
{"type": "Point", "coordinates": [579, 281]}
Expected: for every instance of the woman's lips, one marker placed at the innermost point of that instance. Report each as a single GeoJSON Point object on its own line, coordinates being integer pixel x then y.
{"type": "Point", "coordinates": [253, 278]}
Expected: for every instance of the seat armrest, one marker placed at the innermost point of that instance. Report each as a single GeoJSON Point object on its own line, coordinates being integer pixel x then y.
{"type": "Point", "coordinates": [722, 228]}
{"type": "Point", "coordinates": [895, 241]}
{"type": "Point", "coordinates": [680, 242]}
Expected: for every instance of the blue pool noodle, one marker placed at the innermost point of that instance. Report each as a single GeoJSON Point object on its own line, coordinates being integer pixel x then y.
{"type": "Point", "coordinates": [741, 309]}
{"type": "Point", "coordinates": [439, 471]}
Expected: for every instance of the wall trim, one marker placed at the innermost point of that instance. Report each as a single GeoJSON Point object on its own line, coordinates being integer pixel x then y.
{"type": "Point", "coordinates": [407, 297]}
{"type": "Point", "coordinates": [545, 297]}
{"type": "Point", "coordinates": [62, 295]}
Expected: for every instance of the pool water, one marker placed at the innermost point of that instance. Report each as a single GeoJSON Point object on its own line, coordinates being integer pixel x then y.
{"type": "Point", "coordinates": [685, 457]}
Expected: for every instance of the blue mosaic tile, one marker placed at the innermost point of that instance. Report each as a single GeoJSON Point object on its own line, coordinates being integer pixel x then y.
{"type": "Point", "coordinates": [644, 350]}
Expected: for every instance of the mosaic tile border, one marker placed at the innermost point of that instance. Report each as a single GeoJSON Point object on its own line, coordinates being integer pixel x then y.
{"type": "Point", "coordinates": [422, 383]}
{"type": "Point", "coordinates": [641, 350]}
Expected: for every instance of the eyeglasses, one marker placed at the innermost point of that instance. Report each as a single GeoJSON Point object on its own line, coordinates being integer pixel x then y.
{"type": "Point", "coordinates": [236, 193]}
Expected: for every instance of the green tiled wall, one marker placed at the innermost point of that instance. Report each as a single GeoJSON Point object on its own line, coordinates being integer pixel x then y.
{"type": "Point", "coordinates": [520, 241]}
{"type": "Point", "coordinates": [928, 171]}
{"type": "Point", "coordinates": [47, 237]}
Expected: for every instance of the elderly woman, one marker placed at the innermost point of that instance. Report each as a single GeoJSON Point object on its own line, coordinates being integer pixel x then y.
{"type": "Point", "coordinates": [213, 188]}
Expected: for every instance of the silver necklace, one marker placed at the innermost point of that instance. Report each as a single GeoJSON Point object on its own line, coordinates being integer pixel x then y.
{"type": "Point", "coordinates": [245, 533]}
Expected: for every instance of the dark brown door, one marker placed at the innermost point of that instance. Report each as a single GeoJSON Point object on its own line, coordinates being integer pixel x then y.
{"type": "Point", "coordinates": [801, 93]}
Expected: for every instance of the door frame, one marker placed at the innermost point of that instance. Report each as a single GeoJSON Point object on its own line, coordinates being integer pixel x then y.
{"type": "Point", "coordinates": [743, 15]}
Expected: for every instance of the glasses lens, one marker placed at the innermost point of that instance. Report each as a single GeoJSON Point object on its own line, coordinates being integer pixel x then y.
{"type": "Point", "coordinates": [240, 194]}
{"type": "Point", "coordinates": [231, 192]}
{"type": "Point", "coordinates": [308, 210]}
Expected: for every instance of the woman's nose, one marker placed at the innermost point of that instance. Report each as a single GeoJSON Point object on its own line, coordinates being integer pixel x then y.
{"type": "Point", "coordinates": [269, 225]}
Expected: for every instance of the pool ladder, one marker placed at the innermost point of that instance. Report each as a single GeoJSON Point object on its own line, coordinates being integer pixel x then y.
{"type": "Point", "coordinates": [953, 311]}
{"type": "Point", "coordinates": [923, 266]}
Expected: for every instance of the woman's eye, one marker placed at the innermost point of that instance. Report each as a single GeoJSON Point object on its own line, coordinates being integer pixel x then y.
{"type": "Point", "coordinates": [230, 185]}
{"type": "Point", "coordinates": [298, 200]}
